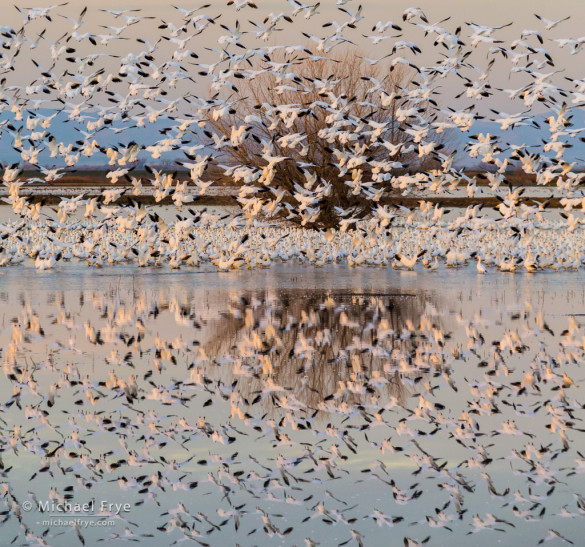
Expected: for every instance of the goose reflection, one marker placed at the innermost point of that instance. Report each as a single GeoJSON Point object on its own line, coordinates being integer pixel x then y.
{"type": "Point", "coordinates": [315, 350]}
{"type": "Point", "coordinates": [186, 399]}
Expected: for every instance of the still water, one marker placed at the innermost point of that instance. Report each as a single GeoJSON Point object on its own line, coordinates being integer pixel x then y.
{"type": "Point", "coordinates": [291, 406]}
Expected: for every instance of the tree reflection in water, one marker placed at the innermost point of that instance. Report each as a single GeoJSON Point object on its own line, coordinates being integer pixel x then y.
{"type": "Point", "coordinates": [318, 347]}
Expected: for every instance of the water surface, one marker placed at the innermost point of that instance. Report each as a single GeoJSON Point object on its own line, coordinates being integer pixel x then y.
{"type": "Point", "coordinates": [306, 402]}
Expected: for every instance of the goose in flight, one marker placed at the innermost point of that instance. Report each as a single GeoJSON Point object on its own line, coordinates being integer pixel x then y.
{"type": "Point", "coordinates": [549, 25]}
{"type": "Point", "coordinates": [31, 14]}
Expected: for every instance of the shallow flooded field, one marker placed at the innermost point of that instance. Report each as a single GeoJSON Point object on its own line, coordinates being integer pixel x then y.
{"type": "Point", "coordinates": [291, 406]}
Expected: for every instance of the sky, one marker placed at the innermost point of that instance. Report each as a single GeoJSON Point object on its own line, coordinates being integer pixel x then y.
{"type": "Point", "coordinates": [490, 13]}
{"type": "Point", "coordinates": [521, 11]}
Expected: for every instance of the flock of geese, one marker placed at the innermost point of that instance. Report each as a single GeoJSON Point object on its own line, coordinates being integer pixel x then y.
{"type": "Point", "coordinates": [280, 418]}
{"type": "Point", "coordinates": [289, 418]}
{"type": "Point", "coordinates": [106, 81]}
{"type": "Point", "coordinates": [231, 417]}
{"type": "Point", "coordinates": [221, 246]}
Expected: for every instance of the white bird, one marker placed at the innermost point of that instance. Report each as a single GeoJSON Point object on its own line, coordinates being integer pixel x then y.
{"type": "Point", "coordinates": [551, 24]}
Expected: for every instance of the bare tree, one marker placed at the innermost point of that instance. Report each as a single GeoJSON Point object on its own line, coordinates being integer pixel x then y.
{"type": "Point", "coordinates": [340, 125]}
